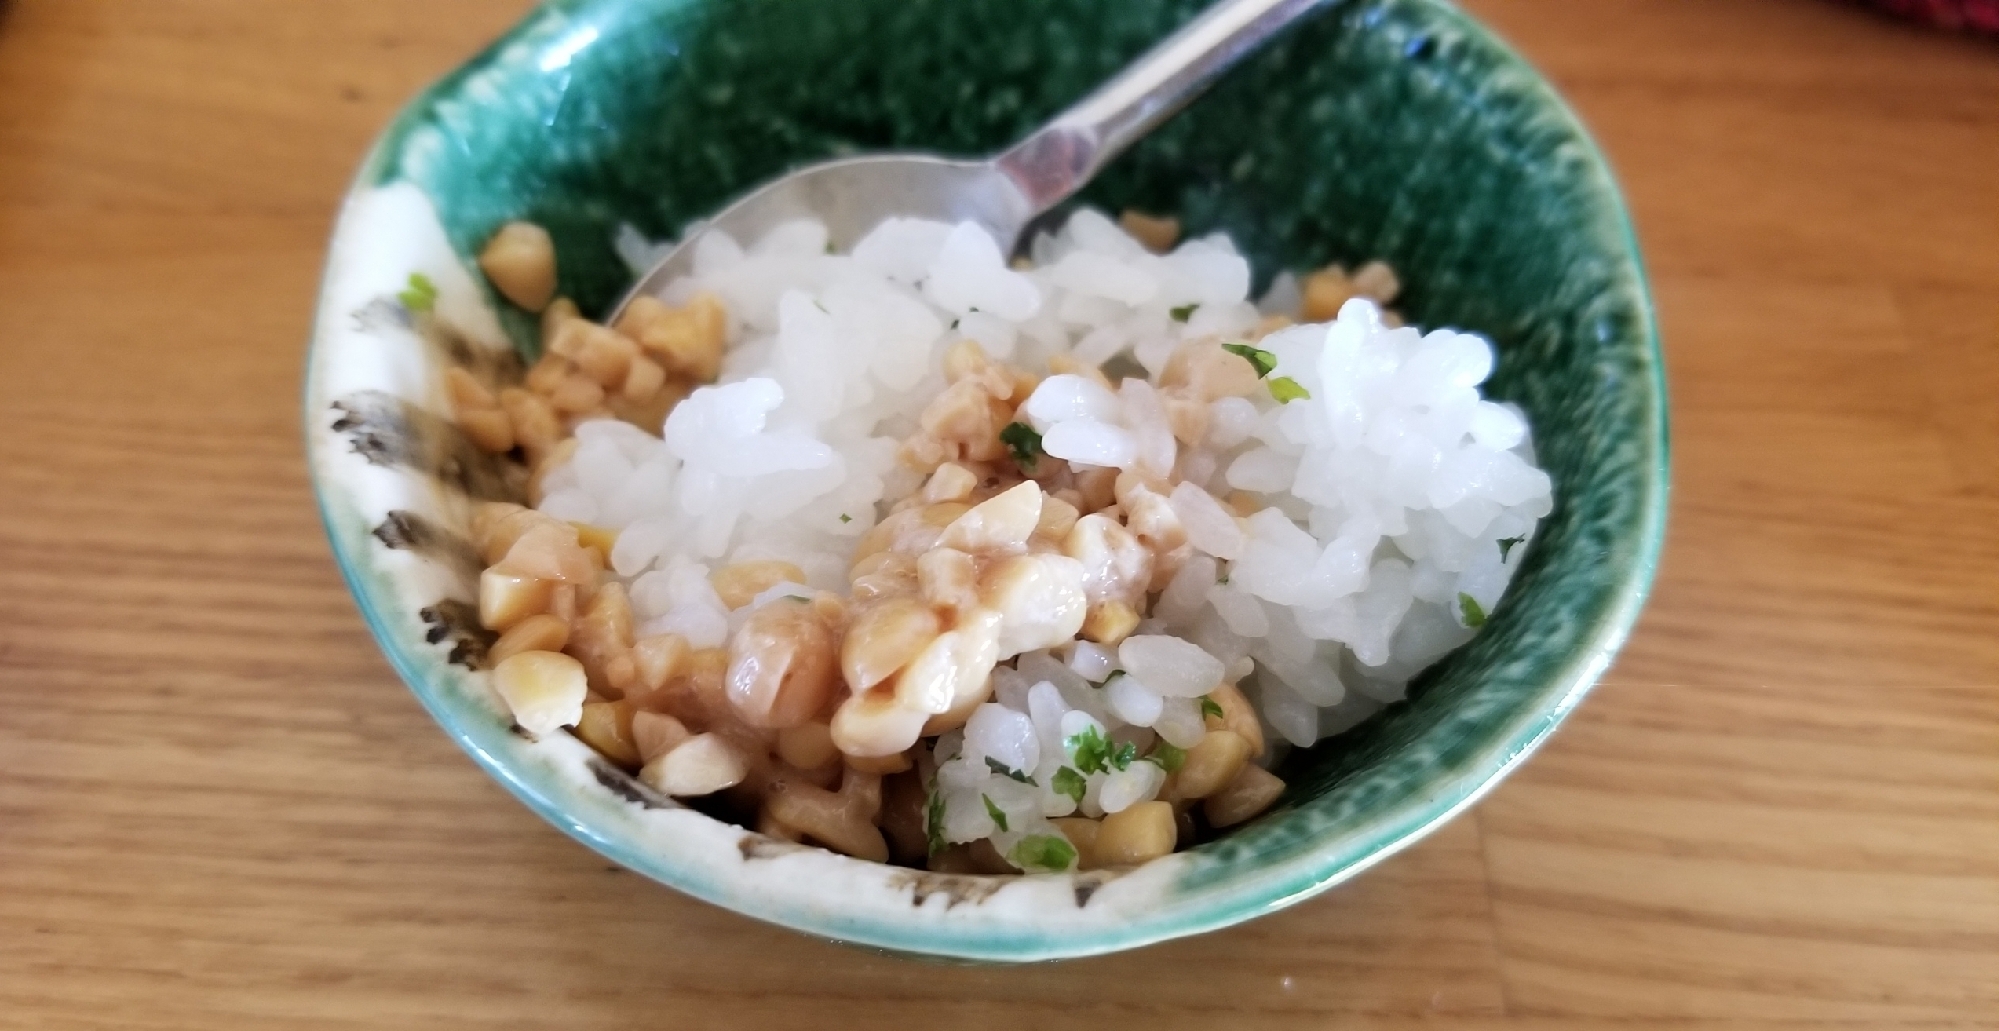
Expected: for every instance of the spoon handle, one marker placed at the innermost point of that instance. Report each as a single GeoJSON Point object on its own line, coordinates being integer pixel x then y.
{"type": "Point", "coordinates": [1063, 155]}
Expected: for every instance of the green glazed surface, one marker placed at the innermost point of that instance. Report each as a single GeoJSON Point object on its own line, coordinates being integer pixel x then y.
{"type": "Point", "coordinates": [1392, 129]}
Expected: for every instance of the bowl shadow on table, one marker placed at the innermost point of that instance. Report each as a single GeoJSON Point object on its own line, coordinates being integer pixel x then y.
{"type": "Point", "coordinates": [1411, 938]}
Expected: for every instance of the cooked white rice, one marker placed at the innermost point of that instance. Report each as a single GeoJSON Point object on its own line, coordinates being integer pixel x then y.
{"type": "Point", "coordinates": [1389, 489]}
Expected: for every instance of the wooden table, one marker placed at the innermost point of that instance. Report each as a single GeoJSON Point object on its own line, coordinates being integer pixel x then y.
{"type": "Point", "coordinates": [220, 809]}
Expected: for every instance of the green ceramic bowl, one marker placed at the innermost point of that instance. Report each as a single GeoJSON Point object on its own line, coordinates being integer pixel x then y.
{"type": "Point", "coordinates": [1397, 129]}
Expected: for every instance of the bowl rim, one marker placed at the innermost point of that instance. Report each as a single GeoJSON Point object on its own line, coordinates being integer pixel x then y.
{"type": "Point", "coordinates": [1206, 906]}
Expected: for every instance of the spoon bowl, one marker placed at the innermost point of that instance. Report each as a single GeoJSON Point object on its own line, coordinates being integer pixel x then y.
{"type": "Point", "coordinates": [853, 195]}
{"type": "Point", "coordinates": [1005, 193]}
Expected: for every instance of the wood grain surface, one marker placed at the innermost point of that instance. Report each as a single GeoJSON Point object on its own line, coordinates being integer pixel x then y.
{"type": "Point", "coordinates": [220, 809]}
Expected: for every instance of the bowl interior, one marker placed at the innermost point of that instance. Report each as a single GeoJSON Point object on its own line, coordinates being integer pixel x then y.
{"type": "Point", "coordinates": [1391, 129]}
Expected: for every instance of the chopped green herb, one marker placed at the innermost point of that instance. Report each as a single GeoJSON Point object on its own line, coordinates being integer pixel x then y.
{"type": "Point", "coordinates": [1222, 580]}
{"type": "Point", "coordinates": [1507, 544]}
{"type": "Point", "coordinates": [1007, 771]}
{"type": "Point", "coordinates": [1210, 707]}
{"type": "Point", "coordinates": [421, 295]}
{"type": "Point", "coordinates": [1469, 607]}
{"type": "Point", "coordinates": [1025, 444]}
{"type": "Point", "coordinates": [1286, 390]}
{"type": "Point", "coordinates": [829, 246]}
{"type": "Point", "coordinates": [933, 821]}
{"type": "Point", "coordinates": [1259, 359]}
{"type": "Point", "coordinates": [1095, 753]}
{"type": "Point", "coordinates": [1069, 782]}
{"type": "Point", "coordinates": [845, 518]}
{"type": "Point", "coordinates": [801, 599]}
{"type": "Point", "coordinates": [1043, 853]}
{"type": "Point", "coordinates": [1091, 750]}
{"type": "Point", "coordinates": [954, 323]}
{"type": "Point", "coordinates": [998, 814]}
{"type": "Point", "coordinates": [1183, 313]}
{"type": "Point", "coordinates": [1165, 756]}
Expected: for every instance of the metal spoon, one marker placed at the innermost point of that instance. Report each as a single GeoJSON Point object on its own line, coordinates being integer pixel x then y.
{"type": "Point", "coordinates": [1005, 192]}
